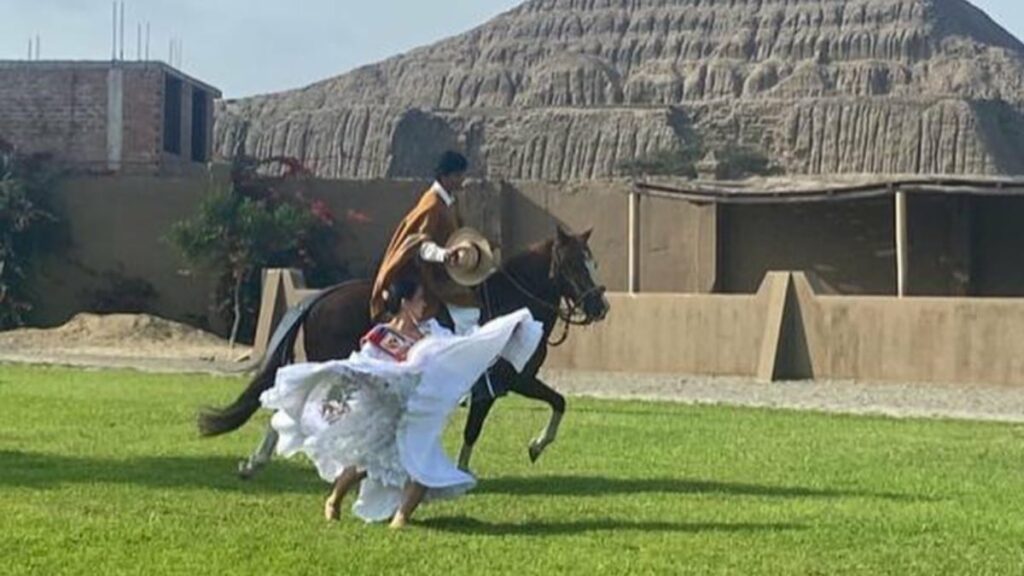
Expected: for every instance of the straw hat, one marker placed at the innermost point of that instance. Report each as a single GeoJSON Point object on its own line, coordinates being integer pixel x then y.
{"type": "Point", "coordinates": [480, 261]}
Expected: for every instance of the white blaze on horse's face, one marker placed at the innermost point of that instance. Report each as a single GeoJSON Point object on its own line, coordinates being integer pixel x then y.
{"type": "Point", "coordinates": [591, 263]}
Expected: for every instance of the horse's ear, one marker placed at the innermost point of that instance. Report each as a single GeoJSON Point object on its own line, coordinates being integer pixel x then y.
{"type": "Point", "coordinates": [561, 234]}
{"type": "Point", "coordinates": [585, 237]}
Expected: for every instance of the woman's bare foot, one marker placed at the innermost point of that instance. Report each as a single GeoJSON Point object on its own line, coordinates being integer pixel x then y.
{"type": "Point", "coordinates": [349, 478]}
{"type": "Point", "coordinates": [398, 522]}
{"type": "Point", "coordinates": [412, 495]}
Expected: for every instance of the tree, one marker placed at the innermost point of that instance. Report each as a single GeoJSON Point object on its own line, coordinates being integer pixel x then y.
{"type": "Point", "coordinates": [258, 222]}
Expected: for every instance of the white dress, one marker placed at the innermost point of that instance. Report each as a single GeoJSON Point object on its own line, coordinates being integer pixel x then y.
{"type": "Point", "coordinates": [386, 417]}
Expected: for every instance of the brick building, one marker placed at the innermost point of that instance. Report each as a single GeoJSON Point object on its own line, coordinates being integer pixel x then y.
{"type": "Point", "coordinates": [107, 116]}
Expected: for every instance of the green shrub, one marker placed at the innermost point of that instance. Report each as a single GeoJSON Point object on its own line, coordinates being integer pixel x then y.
{"type": "Point", "coordinates": [258, 222]}
{"type": "Point", "coordinates": [27, 227]}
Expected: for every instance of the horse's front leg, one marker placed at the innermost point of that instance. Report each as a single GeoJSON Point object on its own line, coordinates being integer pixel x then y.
{"type": "Point", "coordinates": [479, 407]}
{"type": "Point", "coordinates": [264, 452]}
{"type": "Point", "coordinates": [533, 387]}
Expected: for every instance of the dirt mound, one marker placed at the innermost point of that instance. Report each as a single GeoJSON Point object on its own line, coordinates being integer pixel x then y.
{"type": "Point", "coordinates": [120, 336]}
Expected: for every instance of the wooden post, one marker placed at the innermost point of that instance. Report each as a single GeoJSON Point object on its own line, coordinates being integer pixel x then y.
{"type": "Point", "coordinates": [901, 243]}
{"type": "Point", "coordinates": [634, 243]}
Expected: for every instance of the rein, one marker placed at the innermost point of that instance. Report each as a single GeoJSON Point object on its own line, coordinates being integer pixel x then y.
{"type": "Point", "coordinates": [567, 310]}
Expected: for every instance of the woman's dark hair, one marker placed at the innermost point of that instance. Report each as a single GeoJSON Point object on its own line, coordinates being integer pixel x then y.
{"type": "Point", "coordinates": [451, 162]}
{"type": "Point", "coordinates": [401, 289]}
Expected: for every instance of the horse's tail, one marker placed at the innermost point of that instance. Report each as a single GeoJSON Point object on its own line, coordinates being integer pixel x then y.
{"type": "Point", "coordinates": [280, 352]}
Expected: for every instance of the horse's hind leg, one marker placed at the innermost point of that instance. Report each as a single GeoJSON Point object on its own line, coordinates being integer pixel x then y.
{"type": "Point", "coordinates": [479, 406]}
{"type": "Point", "coordinates": [533, 387]}
{"type": "Point", "coordinates": [264, 452]}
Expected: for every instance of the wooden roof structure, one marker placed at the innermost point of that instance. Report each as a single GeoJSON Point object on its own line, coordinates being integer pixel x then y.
{"type": "Point", "coordinates": [841, 188]}
{"type": "Point", "coordinates": [835, 189]}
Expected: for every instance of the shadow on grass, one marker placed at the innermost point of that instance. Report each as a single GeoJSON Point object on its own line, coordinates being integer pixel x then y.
{"type": "Point", "coordinates": [42, 471]}
{"type": "Point", "coordinates": [602, 486]}
{"type": "Point", "coordinates": [464, 525]}
{"type": "Point", "coordinates": [36, 470]}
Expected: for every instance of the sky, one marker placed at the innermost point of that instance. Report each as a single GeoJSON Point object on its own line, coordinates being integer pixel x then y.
{"type": "Point", "coordinates": [1007, 13]}
{"type": "Point", "coordinates": [247, 47]}
{"type": "Point", "coordinates": [244, 47]}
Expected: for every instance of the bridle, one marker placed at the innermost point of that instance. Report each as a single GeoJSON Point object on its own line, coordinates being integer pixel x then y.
{"type": "Point", "coordinates": [568, 310]}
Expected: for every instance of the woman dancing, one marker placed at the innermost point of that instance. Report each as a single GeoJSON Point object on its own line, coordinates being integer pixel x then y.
{"type": "Point", "coordinates": [375, 419]}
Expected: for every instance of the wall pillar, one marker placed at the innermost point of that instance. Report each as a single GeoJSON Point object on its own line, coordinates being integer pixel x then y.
{"type": "Point", "coordinates": [115, 118]}
{"type": "Point", "coordinates": [633, 265]}
{"type": "Point", "coordinates": [901, 243]}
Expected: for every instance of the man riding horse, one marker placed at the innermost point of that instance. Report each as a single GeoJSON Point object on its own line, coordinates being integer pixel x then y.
{"type": "Point", "coordinates": [418, 243]}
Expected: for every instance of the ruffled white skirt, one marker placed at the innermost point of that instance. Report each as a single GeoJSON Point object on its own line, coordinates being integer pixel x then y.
{"type": "Point", "coordinates": [387, 418]}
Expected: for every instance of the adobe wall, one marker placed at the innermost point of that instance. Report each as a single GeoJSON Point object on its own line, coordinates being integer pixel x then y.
{"type": "Point", "coordinates": [118, 224]}
{"type": "Point", "coordinates": [794, 328]}
{"type": "Point", "coordinates": [951, 340]}
{"type": "Point", "coordinates": [671, 333]}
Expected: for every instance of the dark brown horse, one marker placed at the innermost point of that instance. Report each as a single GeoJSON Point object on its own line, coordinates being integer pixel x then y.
{"type": "Point", "coordinates": [554, 279]}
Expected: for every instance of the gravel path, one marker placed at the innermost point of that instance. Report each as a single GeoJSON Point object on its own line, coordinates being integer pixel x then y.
{"type": "Point", "coordinates": [185, 365]}
{"type": "Point", "coordinates": [971, 402]}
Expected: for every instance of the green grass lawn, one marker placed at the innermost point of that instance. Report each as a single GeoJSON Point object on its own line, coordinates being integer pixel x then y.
{"type": "Point", "coordinates": [102, 473]}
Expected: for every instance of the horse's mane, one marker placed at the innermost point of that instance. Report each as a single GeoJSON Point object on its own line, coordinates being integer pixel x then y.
{"type": "Point", "coordinates": [532, 264]}
{"type": "Point", "coordinates": [532, 252]}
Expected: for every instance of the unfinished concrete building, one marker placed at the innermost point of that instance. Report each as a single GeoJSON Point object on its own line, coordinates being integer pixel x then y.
{"type": "Point", "coordinates": [107, 116]}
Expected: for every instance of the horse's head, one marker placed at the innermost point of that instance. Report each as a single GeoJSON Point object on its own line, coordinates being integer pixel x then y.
{"type": "Point", "coordinates": [574, 268]}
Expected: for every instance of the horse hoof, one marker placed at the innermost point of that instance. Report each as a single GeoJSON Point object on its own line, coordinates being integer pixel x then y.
{"type": "Point", "coordinates": [464, 456]}
{"type": "Point", "coordinates": [332, 510]}
{"type": "Point", "coordinates": [535, 450]}
{"type": "Point", "coordinates": [246, 470]}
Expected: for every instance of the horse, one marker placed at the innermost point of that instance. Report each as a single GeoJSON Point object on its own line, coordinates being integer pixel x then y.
{"type": "Point", "coordinates": [555, 279]}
